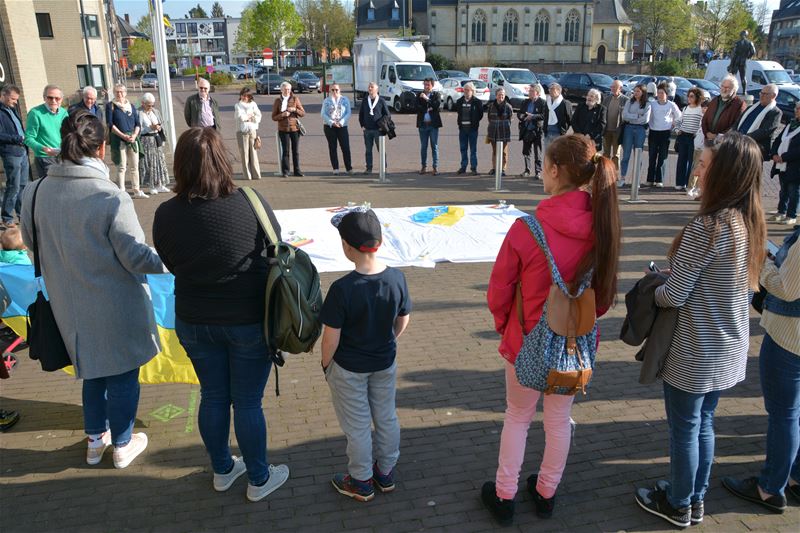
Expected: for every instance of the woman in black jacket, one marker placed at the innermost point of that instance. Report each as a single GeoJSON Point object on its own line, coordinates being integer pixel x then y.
{"type": "Point", "coordinates": [531, 129]}
{"type": "Point", "coordinates": [500, 113]}
{"type": "Point", "coordinates": [589, 118]}
{"type": "Point", "coordinates": [786, 159]}
{"type": "Point", "coordinates": [469, 112]}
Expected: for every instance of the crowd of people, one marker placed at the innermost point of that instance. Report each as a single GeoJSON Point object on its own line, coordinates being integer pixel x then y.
{"type": "Point", "coordinates": [210, 238]}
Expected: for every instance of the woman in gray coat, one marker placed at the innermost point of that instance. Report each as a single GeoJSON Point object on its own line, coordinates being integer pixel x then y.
{"type": "Point", "coordinates": [94, 258]}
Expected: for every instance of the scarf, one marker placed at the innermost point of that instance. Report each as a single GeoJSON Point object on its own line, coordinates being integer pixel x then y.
{"type": "Point", "coordinates": [124, 106]}
{"type": "Point", "coordinates": [372, 104]}
{"type": "Point", "coordinates": [786, 137]}
{"type": "Point", "coordinates": [757, 122]}
{"type": "Point", "coordinates": [285, 102]}
{"type": "Point", "coordinates": [336, 115]}
{"type": "Point", "coordinates": [552, 120]}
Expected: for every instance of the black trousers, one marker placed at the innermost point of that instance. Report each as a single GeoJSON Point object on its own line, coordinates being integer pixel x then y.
{"type": "Point", "coordinates": [286, 137]}
{"type": "Point", "coordinates": [341, 137]}
{"type": "Point", "coordinates": [529, 142]}
{"type": "Point", "coordinates": [658, 149]}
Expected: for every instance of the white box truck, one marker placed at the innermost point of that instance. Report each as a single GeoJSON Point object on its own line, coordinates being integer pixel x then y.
{"type": "Point", "coordinates": [514, 80]}
{"type": "Point", "coordinates": [396, 64]}
{"type": "Point", "coordinates": [758, 73]}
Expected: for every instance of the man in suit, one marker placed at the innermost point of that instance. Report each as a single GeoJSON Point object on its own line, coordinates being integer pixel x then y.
{"type": "Point", "coordinates": [531, 129]}
{"type": "Point", "coordinates": [614, 104]}
{"type": "Point", "coordinates": [762, 119]}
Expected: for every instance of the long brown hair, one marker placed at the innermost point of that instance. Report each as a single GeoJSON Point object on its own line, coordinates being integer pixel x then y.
{"type": "Point", "coordinates": [579, 162]}
{"type": "Point", "coordinates": [733, 183]}
{"type": "Point", "coordinates": [643, 98]}
{"type": "Point", "coordinates": [201, 165]}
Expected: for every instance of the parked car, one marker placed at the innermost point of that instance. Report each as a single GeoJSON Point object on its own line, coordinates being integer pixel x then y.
{"type": "Point", "coordinates": [788, 97]}
{"type": "Point", "coordinates": [575, 85]}
{"type": "Point", "coordinates": [623, 76]}
{"type": "Point", "coordinates": [443, 74]}
{"type": "Point", "coordinates": [149, 80]}
{"type": "Point", "coordinates": [557, 75]}
{"type": "Point", "coordinates": [269, 84]}
{"type": "Point", "coordinates": [243, 71]}
{"type": "Point", "coordinates": [639, 79]}
{"type": "Point", "coordinates": [795, 78]}
{"type": "Point", "coordinates": [710, 86]}
{"type": "Point", "coordinates": [306, 81]}
{"type": "Point", "coordinates": [682, 86]}
{"type": "Point", "coordinates": [453, 89]}
{"type": "Point", "coordinates": [545, 80]}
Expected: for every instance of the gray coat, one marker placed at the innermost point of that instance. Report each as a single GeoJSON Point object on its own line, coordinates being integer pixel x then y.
{"type": "Point", "coordinates": [94, 259]}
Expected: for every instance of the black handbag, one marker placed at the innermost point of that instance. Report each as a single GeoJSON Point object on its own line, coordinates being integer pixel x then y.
{"type": "Point", "coordinates": [44, 338]}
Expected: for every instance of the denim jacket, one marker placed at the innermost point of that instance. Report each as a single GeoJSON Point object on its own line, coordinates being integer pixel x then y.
{"type": "Point", "coordinates": [773, 303]}
{"type": "Point", "coordinates": [328, 107]}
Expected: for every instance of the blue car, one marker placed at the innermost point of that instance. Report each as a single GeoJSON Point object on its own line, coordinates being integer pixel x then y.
{"type": "Point", "coordinates": [787, 99]}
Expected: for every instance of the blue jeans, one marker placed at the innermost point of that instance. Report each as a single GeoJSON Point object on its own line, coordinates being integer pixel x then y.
{"type": "Point", "coordinates": [427, 133]}
{"type": "Point", "coordinates": [111, 403]}
{"type": "Point", "coordinates": [370, 140]}
{"type": "Point", "coordinates": [16, 169]}
{"type": "Point", "coordinates": [780, 383]}
{"type": "Point", "coordinates": [685, 145]}
{"type": "Point", "coordinates": [468, 138]}
{"type": "Point", "coordinates": [233, 365]}
{"type": "Point", "coordinates": [691, 443]}
{"type": "Point", "coordinates": [789, 197]}
{"type": "Point", "coordinates": [632, 139]}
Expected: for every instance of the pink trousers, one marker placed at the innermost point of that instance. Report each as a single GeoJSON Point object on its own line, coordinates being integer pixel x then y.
{"type": "Point", "coordinates": [520, 410]}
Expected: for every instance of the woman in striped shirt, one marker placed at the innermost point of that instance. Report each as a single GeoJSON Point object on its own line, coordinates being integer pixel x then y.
{"type": "Point", "coordinates": [715, 261]}
{"type": "Point", "coordinates": [779, 366]}
{"type": "Point", "coordinates": [684, 143]}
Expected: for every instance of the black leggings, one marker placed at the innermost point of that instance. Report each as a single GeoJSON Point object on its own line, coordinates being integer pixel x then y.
{"type": "Point", "coordinates": [294, 138]}
{"type": "Point", "coordinates": [341, 137]}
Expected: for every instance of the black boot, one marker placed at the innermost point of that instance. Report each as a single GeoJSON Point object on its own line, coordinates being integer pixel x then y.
{"type": "Point", "coordinates": [502, 510]}
{"type": "Point", "coordinates": [544, 506]}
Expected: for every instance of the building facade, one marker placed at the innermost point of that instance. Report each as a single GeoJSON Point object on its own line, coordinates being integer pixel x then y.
{"type": "Point", "coordinates": [44, 44]}
{"type": "Point", "coordinates": [784, 34]}
{"type": "Point", "coordinates": [473, 32]}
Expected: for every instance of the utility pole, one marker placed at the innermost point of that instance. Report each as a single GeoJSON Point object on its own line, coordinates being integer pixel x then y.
{"type": "Point", "coordinates": [162, 71]}
{"type": "Point", "coordinates": [90, 73]}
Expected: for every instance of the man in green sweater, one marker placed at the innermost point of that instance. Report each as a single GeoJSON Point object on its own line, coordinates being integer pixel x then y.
{"type": "Point", "coordinates": [43, 130]}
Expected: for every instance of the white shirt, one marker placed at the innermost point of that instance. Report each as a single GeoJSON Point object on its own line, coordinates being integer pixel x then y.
{"type": "Point", "coordinates": [242, 110]}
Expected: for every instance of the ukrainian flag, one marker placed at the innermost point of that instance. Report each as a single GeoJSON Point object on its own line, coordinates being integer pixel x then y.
{"type": "Point", "coordinates": [171, 365]}
{"type": "Point", "coordinates": [441, 215]}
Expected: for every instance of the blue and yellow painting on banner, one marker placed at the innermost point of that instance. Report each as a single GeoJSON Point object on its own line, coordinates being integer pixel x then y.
{"type": "Point", "coordinates": [442, 215]}
{"type": "Point", "coordinates": [171, 365]}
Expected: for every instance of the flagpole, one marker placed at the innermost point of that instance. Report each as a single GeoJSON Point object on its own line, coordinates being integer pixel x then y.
{"type": "Point", "coordinates": [162, 71]}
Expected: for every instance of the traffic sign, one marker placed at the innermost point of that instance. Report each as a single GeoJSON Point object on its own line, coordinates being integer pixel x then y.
{"type": "Point", "coordinates": [210, 69]}
{"type": "Point", "coordinates": [196, 61]}
{"type": "Point", "coordinates": [267, 53]}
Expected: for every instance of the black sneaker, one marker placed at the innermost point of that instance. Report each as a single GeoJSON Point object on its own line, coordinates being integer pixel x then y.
{"type": "Point", "coordinates": [794, 491]}
{"type": "Point", "coordinates": [747, 489]}
{"type": "Point", "coordinates": [384, 482]}
{"type": "Point", "coordinates": [298, 174]}
{"type": "Point", "coordinates": [502, 510]}
{"type": "Point", "coordinates": [698, 509]}
{"type": "Point", "coordinates": [461, 171]}
{"type": "Point", "coordinates": [473, 172]}
{"type": "Point", "coordinates": [654, 501]}
{"type": "Point", "coordinates": [544, 506]}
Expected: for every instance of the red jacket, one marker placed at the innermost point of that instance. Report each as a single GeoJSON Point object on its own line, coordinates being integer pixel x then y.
{"type": "Point", "coordinates": [567, 223]}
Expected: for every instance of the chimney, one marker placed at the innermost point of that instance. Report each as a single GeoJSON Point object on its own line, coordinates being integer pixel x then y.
{"type": "Point", "coordinates": [127, 18]}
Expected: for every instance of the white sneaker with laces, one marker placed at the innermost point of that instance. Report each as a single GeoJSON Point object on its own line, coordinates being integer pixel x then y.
{"type": "Point", "coordinates": [278, 474]}
{"type": "Point", "coordinates": [163, 189]}
{"type": "Point", "coordinates": [335, 171]}
{"type": "Point", "coordinates": [138, 193]}
{"type": "Point", "coordinates": [153, 191]}
{"type": "Point", "coordinates": [789, 221]}
{"type": "Point", "coordinates": [223, 482]}
{"type": "Point", "coordinates": [96, 449]}
{"type": "Point", "coordinates": [123, 456]}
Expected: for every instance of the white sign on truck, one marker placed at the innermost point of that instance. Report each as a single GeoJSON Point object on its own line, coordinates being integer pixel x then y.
{"type": "Point", "coordinates": [396, 64]}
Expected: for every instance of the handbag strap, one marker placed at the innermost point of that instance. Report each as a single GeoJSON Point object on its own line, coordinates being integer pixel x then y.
{"type": "Point", "coordinates": [538, 234]}
{"type": "Point", "coordinates": [37, 266]}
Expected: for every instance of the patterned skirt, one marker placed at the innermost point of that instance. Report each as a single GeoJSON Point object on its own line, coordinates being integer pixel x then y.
{"type": "Point", "coordinates": [152, 164]}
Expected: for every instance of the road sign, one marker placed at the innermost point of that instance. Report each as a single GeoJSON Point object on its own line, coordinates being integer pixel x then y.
{"type": "Point", "coordinates": [196, 61]}
{"type": "Point", "coordinates": [210, 69]}
{"type": "Point", "coordinates": [266, 53]}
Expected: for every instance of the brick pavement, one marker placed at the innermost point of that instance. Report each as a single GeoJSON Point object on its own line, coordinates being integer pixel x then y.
{"type": "Point", "coordinates": [450, 402]}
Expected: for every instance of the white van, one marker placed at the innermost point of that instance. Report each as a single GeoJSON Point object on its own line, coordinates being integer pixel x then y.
{"type": "Point", "coordinates": [514, 80]}
{"type": "Point", "coordinates": [758, 73]}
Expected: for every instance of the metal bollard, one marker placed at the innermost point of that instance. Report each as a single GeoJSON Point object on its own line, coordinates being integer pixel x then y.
{"type": "Point", "coordinates": [637, 159]}
{"type": "Point", "coordinates": [382, 158]}
{"type": "Point", "coordinates": [183, 85]}
{"type": "Point", "coordinates": [280, 153]}
{"type": "Point", "coordinates": [498, 167]}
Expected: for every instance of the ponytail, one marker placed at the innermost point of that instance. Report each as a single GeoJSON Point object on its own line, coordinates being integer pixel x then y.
{"type": "Point", "coordinates": [82, 135]}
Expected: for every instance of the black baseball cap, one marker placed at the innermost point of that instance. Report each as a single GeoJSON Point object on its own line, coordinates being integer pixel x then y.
{"type": "Point", "coordinates": [360, 228]}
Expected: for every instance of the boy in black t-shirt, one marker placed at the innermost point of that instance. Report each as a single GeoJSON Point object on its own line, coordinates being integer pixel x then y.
{"type": "Point", "coordinates": [364, 313]}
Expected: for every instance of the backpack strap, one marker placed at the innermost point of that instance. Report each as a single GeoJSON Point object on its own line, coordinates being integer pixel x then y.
{"type": "Point", "coordinates": [538, 234]}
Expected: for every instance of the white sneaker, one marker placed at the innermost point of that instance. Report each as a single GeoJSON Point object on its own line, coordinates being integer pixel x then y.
{"type": "Point", "coordinates": [223, 482]}
{"type": "Point", "coordinates": [125, 455]}
{"type": "Point", "coordinates": [94, 454]}
{"type": "Point", "coordinates": [789, 221]}
{"type": "Point", "coordinates": [138, 193]}
{"type": "Point", "coordinates": [278, 474]}
{"type": "Point", "coordinates": [778, 217]}
{"type": "Point", "coordinates": [658, 185]}
{"type": "Point", "coordinates": [335, 171]}
{"type": "Point", "coordinates": [164, 189]}
{"type": "Point", "coordinates": [153, 191]}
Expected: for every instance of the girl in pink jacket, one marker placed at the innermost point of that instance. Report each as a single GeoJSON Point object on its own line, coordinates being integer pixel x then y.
{"type": "Point", "coordinates": [582, 231]}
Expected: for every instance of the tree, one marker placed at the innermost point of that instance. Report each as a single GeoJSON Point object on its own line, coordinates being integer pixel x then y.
{"type": "Point", "coordinates": [719, 22]}
{"type": "Point", "coordinates": [197, 12]}
{"type": "Point", "coordinates": [139, 52]}
{"type": "Point", "coordinates": [319, 15]}
{"type": "Point", "coordinates": [268, 23]}
{"type": "Point", "coordinates": [662, 24]}
{"type": "Point", "coordinates": [144, 25]}
{"type": "Point", "coordinates": [216, 10]}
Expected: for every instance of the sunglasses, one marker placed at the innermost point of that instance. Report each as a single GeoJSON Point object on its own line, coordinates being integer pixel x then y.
{"type": "Point", "coordinates": [53, 97]}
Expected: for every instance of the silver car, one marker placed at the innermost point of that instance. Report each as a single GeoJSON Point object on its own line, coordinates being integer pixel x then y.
{"type": "Point", "coordinates": [453, 89]}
